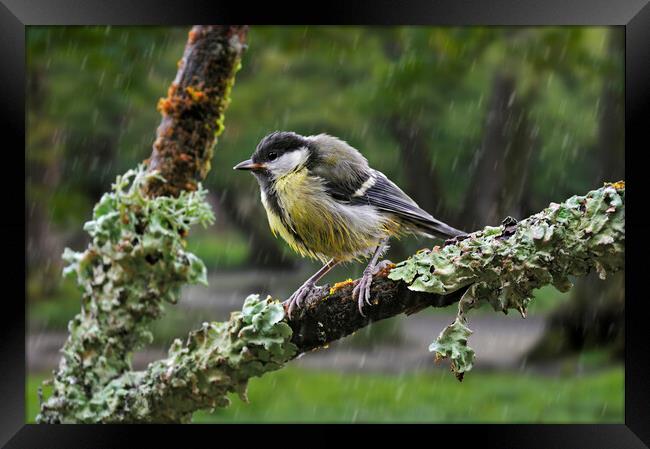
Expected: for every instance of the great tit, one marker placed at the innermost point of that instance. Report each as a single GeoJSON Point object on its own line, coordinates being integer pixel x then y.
{"type": "Point", "coordinates": [325, 201]}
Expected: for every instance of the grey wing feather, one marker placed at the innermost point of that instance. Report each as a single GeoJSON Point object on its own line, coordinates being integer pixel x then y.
{"type": "Point", "coordinates": [342, 167]}
{"type": "Point", "coordinates": [385, 195]}
{"type": "Point", "coordinates": [348, 178]}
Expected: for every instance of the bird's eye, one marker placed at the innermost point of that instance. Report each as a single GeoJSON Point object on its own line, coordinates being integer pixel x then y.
{"type": "Point", "coordinates": [273, 156]}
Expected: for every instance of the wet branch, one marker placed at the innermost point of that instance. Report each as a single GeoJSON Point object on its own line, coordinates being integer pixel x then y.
{"type": "Point", "coordinates": [329, 317]}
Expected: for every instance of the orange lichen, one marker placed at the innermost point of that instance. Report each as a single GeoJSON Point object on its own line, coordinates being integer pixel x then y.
{"type": "Point", "coordinates": [165, 106]}
{"type": "Point", "coordinates": [196, 94]}
{"type": "Point", "coordinates": [193, 36]}
{"type": "Point", "coordinates": [185, 157]}
{"type": "Point", "coordinates": [340, 285]}
{"type": "Point", "coordinates": [385, 270]}
{"type": "Point", "coordinates": [171, 90]}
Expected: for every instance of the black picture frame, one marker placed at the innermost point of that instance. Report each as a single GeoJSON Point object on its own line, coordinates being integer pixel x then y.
{"type": "Point", "coordinates": [634, 15]}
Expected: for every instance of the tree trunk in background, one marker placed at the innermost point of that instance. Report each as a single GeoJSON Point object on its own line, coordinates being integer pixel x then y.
{"type": "Point", "coordinates": [500, 179]}
{"type": "Point", "coordinates": [594, 317]}
{"type": "Point", "coordinates": [44, 244]}
{"type": "Point", "coordinates": [415, 151]}
{"type": "Point", "coordinates": [265, 251]}
{"type": "Point", "coordinates": [416, 161]}
{"type": "Point", "coordinates": [611, 129]}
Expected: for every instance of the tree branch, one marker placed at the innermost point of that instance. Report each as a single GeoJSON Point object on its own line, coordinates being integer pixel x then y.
{"type": "Point", "coordinates": [499, 265]}
{"type": "Point", "coordinates": [193, 112]}
{"type": "Point", "coordinates": [136, 260]}
{"type": "Point", "coordinates": [329, 317]}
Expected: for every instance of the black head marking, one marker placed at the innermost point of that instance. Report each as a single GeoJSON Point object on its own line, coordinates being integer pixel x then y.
{"type": "Point", "coordinates": [277, 143]}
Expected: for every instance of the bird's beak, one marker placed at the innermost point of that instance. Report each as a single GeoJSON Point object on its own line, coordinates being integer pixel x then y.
{"type": "Point", "coordinates": [249, 165]}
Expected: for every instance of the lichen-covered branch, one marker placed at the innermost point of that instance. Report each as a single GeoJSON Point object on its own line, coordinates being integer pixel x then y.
{"type": "Point", "coordinates": [330, 314]}
{"type": "Point", "coordinates": [216, 360]}
{"type": "Point", "coordinates": [498, 265]}
{"type": "Point", "coordinates": [136, 260]}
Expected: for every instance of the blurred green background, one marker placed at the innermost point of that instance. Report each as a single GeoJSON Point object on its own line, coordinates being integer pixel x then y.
{"type": "Point", "coordinates": [474, 123]}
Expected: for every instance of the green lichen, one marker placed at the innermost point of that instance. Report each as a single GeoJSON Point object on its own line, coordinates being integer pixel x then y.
{"type": "Point", "coordinates": [216, 359]}
{"type": "Point", "coordinates": [136, 261]}
{"type": "Point", "coordinates": [452, 344]}
{"type": "Point", "coordinates": [225, 99]}
{"type": "Point", "coordinates": [503, 265]}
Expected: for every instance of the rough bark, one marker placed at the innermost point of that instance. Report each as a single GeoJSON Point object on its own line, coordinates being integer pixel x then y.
{"type": "Point", "coordinates": [193, 111]}
{"type": "Point", "coordinates": [330, 317]}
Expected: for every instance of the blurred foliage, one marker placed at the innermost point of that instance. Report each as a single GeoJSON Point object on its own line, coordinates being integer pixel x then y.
{"type": "Point", "coordinates": [296, 395]}
{"type": "Point", "coordinates": [229, 250]}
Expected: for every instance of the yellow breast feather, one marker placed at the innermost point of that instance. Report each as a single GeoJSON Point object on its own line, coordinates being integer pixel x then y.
{"type": "Point", "coordinates": [313, 226]}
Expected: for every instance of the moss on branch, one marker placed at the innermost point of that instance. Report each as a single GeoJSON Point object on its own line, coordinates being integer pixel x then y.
{"type": "Point", "coordinates": [136, 261]}
{"type": "Point", "coordinates": [503, 265]}
{"type": "Point", "coordinates": [216, 360]}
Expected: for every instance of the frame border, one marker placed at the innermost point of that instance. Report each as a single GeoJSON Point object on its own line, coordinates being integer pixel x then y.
{"type": "Point", "coordinates": [15, 15]}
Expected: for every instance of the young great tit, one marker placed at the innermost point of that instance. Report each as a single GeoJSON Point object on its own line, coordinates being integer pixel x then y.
{"type": "Point", "coordinates": [325, 201]}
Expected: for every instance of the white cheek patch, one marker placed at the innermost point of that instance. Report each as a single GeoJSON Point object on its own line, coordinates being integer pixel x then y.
{"type": "Point", "coordinates": [288, 162]}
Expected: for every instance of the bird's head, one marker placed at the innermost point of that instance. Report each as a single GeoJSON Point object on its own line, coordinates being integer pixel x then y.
{"type": "Point", "coordinates": [278, 154]}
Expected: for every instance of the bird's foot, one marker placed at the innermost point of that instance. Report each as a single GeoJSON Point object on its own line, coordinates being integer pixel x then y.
{"type": "Point", "coordinates": [361, 291]}
{"type": "Point", "coordinates": [296, 299]}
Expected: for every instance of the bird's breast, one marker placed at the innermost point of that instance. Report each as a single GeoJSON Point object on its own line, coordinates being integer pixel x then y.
{"type": "Point", "coordinates": [314, 224]}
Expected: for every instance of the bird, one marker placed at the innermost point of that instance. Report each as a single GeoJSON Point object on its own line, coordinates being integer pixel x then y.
{"type": "Point", "coordinates": [323, 198]}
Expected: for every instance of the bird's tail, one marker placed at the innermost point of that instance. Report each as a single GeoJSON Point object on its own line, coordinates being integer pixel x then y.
{"type": "Point", "coordinates": [436, 228]}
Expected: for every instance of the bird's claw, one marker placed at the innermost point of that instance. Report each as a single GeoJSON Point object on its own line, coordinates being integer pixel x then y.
{"type": "Point", "coordinates": [361, 291]}
{"type": "Point", "coordinates": [296, 299]}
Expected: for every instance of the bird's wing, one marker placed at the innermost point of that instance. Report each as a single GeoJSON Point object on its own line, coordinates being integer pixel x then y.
{"type": "Point", "coordinates": [379, 191]}
{"type": "Point", "coordinates": [342, 167]}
